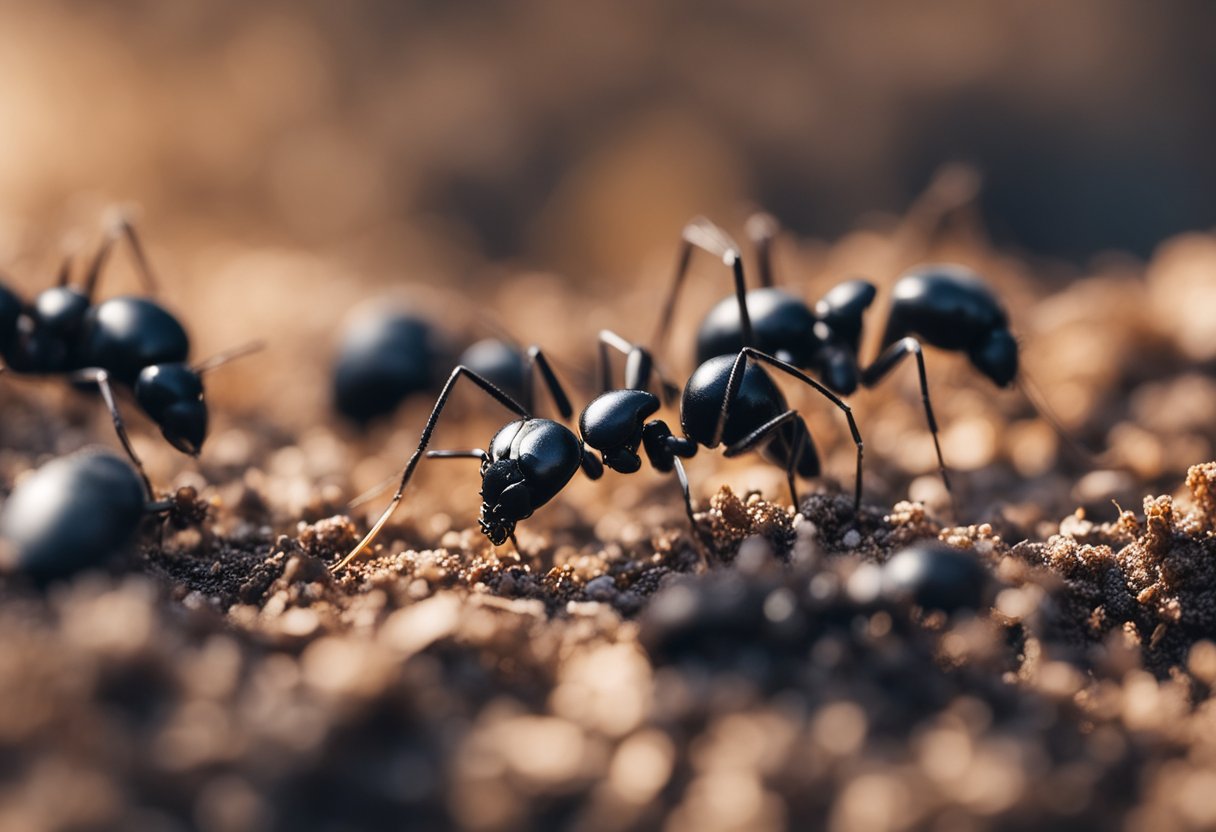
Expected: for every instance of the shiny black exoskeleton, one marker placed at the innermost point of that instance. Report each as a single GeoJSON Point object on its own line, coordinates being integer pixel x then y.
{"type": "Point", "coordinates": [729, 400]}
{"type": "Point", "coordinates": [824, 341]}
{"type": "Point", "coordinates": [949, 307]}
{"type": "Point", "coordinates": [943, 305]}
{"type": "Point", "coordinates": [529, 462]}
{"type": "Point", "coordinates": [130, 341]}
{"type": "Point", "coordinates": [73, 513]}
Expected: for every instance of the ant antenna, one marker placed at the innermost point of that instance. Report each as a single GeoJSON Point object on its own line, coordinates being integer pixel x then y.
{"type": "Point", "coordinates": [1038, 402]}
{"type": "Point", "coordinates": [118, 226]}
{"type": "Point", "coordinates": [491, 324]}
{"type": "Point", "coordinates": [762, 229]}
{"type": "Point", "coordinates": [99, 260]}
{"type": "Point", "coordinates": [65, 271]}
{"type": "Point", "coordinates": [220, 359]}
{"type": "Point", "coordinates": [703, 234]}
{"type": "Point", "coordinates": [373, 492]}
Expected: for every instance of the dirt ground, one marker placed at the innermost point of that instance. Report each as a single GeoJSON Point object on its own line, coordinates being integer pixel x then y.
{"type": "Point", "coordinates": [616, 673]}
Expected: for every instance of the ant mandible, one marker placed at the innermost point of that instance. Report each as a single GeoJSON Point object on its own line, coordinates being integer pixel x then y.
{"type": "Point", "coordinates": [130, 341]}
{"type": "Point", "coordinates": [944, 305]}
{"type": "Point", "coordinates": [729, 400]}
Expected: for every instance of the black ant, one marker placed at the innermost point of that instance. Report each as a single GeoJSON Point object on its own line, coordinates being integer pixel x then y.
{"type": "Point", "coordinates": [76, 511]}
{"type": "Point", "coordinates": [944, 305]}
{"type": "Point", "coordinates": [130, 341]}
{"type": "Point", "coordinates": [729, 400]}
{"type": "Point", "coordinates": [387, 355]}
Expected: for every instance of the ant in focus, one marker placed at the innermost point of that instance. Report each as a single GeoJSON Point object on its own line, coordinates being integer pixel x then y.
{"type": "Point", "coordinates": [129, 341]}
{"type": "Point", "coordinates": [728, 399]}
{"type": "Point", "coordinates": [943, 305]}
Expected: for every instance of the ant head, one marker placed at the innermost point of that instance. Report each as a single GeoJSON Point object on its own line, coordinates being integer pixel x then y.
{"type": "Point", "coordinates": [997, 357]}
{"type": "Point", "coordinates": [505, 499]}
{"type": "Point", "coordinates": [60, 309]}
{"type": "Point", "coordinates": [172, 396]}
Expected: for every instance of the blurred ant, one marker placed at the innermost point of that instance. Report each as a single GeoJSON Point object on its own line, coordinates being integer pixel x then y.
{"type": "Point", "coordinates": [387, 355]}
{"type": "Point", "coordinates": [943, 305]}
{"type": "Point", "coordinates": [729, 400]}
{"type": "Point", "coordinates": [76, 511]}
{"type": "Point", "coordinates": [129, 341]}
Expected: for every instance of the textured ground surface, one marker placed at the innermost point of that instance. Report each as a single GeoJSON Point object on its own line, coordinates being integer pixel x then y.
{"type": "Point", "coordinates": [612, 674]}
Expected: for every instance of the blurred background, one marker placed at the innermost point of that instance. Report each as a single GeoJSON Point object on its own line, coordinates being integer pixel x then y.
{"type": "Point", "coordinates": [290, 159]}
{"type": "Point", "coordinates": [560, 134]}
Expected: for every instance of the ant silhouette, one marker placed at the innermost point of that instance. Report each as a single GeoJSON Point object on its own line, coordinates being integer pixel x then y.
{"type": "Point", "coordinates": [727, 400]}
{"type": "Point", "coordinates": [129, 341]}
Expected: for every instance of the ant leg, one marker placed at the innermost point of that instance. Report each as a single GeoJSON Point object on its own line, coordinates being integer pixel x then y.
{"type": "Point", "coordinates": [537, 360]}
{"type": "Point", "coordinates": [883, 365]}
{"type": "Point", "coordinates": [227, 356]}
{"type": "Point", "coordinates": [496, 394]}
{"type": "Point", "coordinates": [592, 467]}
{"type": "Point", "coordinates": [762, 229]}
{"type": "Point", "coordinates": [703, 234]}
{"type": "Point", "coordinates": [682, 476]}
{"type": "Point", "coordinates": [472, 453]}
{"type": "Point", "coordinates": [102, 379]}
{"type": "Point", "coordinates": [766, 430]}
{"type": "Point", "coordinates": [640, 367]}
{"type": "Point", "coordinates": [735, 380]}
{"type": "Point", "coordinates": [639, 364]}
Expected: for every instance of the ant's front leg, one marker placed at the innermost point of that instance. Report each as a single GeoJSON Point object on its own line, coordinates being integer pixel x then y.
{"type": "Point", "coordinates": [444, 394]}
{"type": "Point", "coordinates": [101, 378]}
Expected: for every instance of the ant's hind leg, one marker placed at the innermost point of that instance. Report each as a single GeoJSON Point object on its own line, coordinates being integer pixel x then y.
{"type": "Point", "coordinates": [735, 381]}
{"type": "Point", "coordinates": [766, 431]}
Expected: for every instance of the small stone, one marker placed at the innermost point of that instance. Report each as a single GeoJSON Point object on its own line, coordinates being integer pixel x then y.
{"type": "Point", "coordinates": [602, 588]}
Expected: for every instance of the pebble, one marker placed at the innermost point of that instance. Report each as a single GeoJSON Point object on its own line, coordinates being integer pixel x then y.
{"type": "Point", "coordinates": [602, 588]}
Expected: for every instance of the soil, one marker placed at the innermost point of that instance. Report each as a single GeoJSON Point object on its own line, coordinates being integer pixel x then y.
{"type": "Point", "coordinates": [618, 670]}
